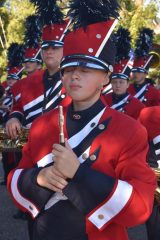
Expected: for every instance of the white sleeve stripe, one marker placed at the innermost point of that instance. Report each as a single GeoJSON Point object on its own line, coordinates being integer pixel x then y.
{"type": "Point", "coordinates": [113, 206]}
{"type": "Point", "coordinates": [17, 97]}
{"type": "Point", "coordinates": [19, 198]}
{"type": "Point", "coordinates": [33, 113]}
{"type": "Point", "coordinates": [52, 101]}
{"type": "Point", "coordinates": [45, 160]}
{"type": "Point", "coordinates": [33, 102]}
{"type": "Point", "coordinates": [39, 98]}
{"type": "Point", "coordinates": [156, 139]}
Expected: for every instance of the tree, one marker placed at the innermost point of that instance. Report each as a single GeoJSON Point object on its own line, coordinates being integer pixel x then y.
{"type": "Point", "coordinates": [135, 16]}
{"type": "Point", "coordinates": [4, 21]}
{"type": "Point", "coordinates": [13, 13]}
{"type": "Point", "coordinates": [18, 11]}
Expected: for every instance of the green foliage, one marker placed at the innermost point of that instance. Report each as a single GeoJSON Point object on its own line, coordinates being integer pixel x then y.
{"type": "Point", "coordinates": [13, 14]}
{"type": "Point", "coordinates": [138, 18]}
{"type": "Point", "coordinates": [18, 11]}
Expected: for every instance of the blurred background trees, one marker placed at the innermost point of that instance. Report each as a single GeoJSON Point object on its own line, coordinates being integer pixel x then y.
{"type": "Point", "coordinates": [12, 16]}
{"type": "Point", "coordinates": [134, 15]}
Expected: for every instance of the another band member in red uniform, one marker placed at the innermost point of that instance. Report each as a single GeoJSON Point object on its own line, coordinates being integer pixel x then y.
{"type": "Point", "coordinates": [14, 73]}
{"type": "Point", "coordinates": [32, 38]}
{"type": "Point", "coordinates": [97, 183]}
{"type": "Point", "coordinates": [120, 99]}
{"type": "Point", "coordinates": [32, 60]}
{"type": "Point", "coordinates": [43, 90]}
{"type": "Point", "coordinates": [150, 118]}
{"type": "Point", "coordinates": [142, 88]}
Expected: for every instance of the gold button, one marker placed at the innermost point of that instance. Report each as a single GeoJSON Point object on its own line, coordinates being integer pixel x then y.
{"type": "Point", "coordinates": [101, 216]}
{"type": "Point", "coordinates": [93, 157]}
{"type": "Point", "coordinates": [30, 207]}
{"type": "Point", "coordinates": [84, 156]}
{"type": "Point", "coordinates": [101, 126]}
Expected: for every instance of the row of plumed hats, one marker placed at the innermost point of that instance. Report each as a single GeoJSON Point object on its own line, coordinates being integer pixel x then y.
{"type": "Point", "coordinates": [29, 51]}
{"type": "Point", "coordinates": [88, 40]}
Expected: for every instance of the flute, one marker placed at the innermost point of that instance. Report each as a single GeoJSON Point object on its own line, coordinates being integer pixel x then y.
{"type": "Point", "coordinates": [61, 123]}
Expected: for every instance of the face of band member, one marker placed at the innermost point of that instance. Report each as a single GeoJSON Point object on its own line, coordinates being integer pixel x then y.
{"type": "Point", "coordinates": [84, 84]}
{"type": "Point", "coordinates": [119, 86]}
{"type": "Point", "coordinates": [31, 67]}
{"type": "Point", "coordinates": [138, 77]}
{"type": "Point", "coordinates": [52, 56]}
{"type": "Point", "coordinates": [11, 82]}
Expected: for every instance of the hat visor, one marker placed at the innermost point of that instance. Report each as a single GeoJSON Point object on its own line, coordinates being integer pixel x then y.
{"type": "Point", "coordinates": [47, 44]}
{"type": "Point", "coordinates": [32, 60]}
{"type": "Point", "coordinates": [12, 76]}
{"type": "Point", "coordinates": [120, 76]}
{"type": "Point", "coordinates": [139, 69]}
{"type": "Point", "coordinates": [81, 60]}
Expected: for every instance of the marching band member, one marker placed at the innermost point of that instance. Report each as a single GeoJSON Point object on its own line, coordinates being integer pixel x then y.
{"type": "Point", "coordinates": [120, 99]}
{"type": "Point", "coordinates": [150, 118]}
{"type": "Point", "coordinates": [43, 90]}
{"type": "Point", "coordinates": [14, 73]}
{"type": "Point", "coordinates": [97, 183]}
{"type": "Point", "coordinates": [32, 57]}
{"type": "Point", "coordinates": [142, 88]}
{"type": "Point", "coordinates": [31, 60]}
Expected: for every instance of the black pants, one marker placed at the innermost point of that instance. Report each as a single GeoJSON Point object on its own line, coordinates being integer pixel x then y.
{"type": "Point", "coordinates": [17, 157]}
{"type": "Point", "coordinates": [153, 224]}
{"type": "Point", "coordinates": [8, 164]}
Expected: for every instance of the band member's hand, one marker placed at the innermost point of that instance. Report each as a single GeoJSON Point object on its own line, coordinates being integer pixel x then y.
{"type": "Point", "coordinates": [13, 128]}
{"type": "Point", "coordinates": [52, 179]}
{"type": "Point", "coordinates": [65, 160]}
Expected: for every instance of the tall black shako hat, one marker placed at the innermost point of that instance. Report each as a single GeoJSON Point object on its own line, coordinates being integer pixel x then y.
{"type": "Point", "coordinates": [88, 44]}
{"type": "Point", "coordinates": [52, 21]}
{"type": "Point", "coordinates": [15, 55]}
{"type": "Point", "coordinates": [32, 38]}
{"type": "Point", "coordinates": [143, 46]}
{"type": "Point", "coordinates": [123, 59]}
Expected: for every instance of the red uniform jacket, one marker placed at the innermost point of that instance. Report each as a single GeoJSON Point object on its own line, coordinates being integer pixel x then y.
{"type": "Point", "coordinates": [16, 90]}
{"type": "Point", "coordinates": [147, 94]}
{"type": "Point", "coordinates": [112, 189]}
{"type": "Point", "coordinates": [31, 101]}
{"type": "Point", "coordinates": [129, 105]}
{"type": "Point", "coordinates": [6, 87]}
{"type": "Point", "coordinates": [150, 118]}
